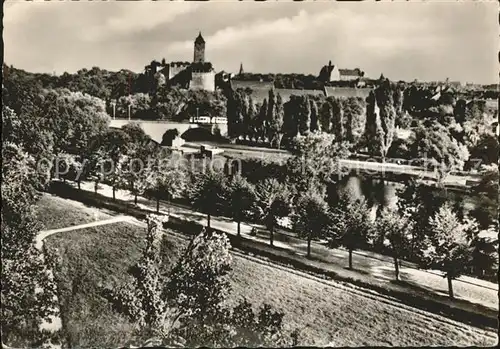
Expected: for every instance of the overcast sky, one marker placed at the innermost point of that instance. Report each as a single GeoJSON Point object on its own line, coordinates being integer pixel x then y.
{"type": "Point", "coordinates": [427, 41]}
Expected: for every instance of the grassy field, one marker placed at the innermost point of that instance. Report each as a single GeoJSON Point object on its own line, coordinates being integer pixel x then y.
{"type": "Point", "coordinates": [334, 316]}
{"type": "Point", "coordinates": [326, 314]}
{"type": "Point", "coordinates": [55, 212]}
{"type": "Point", "coordinates": [372, 271]}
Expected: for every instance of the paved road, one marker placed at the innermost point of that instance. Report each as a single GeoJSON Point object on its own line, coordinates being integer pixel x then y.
{"type": "Point", "coordinates": [376, 268]}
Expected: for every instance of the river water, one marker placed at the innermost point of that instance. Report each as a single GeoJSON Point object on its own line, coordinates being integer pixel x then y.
{"type": "Point", "coordinates": [379, 193]}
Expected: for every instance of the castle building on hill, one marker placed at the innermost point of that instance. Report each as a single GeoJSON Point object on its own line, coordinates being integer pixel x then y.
{"type": "Point", "coordinates": [331, 73]}
{"type": "Point", "coordinates": [199, 49]}
{"type": "Point", "coordinates": [196, 75]}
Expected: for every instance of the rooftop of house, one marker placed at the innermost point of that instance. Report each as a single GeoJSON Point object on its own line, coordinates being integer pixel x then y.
{"type": "Point", "coordinates": [351, 72]}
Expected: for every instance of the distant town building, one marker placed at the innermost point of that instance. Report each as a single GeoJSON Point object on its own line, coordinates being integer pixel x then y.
{"type": "Point", "coordinates": [241, 72]}
{"type": "Point", "coordinates": [196, 75]}
{"type": "Point", "coordinates": [350, 74]}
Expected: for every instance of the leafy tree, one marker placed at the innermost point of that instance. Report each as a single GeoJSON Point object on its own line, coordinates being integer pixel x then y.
{"type": "Point", "coordinates": [486, 192]}
{"type": "Point", "coordinates": [351, 224]}
{"type": "Point", "coordinates": [484, 256]}
{"type": "Point", "coordinates": [326, 117]}
{"type": "Point", "coordinates": [439, 149]}
{"type": "Point", "coordinates": [314, 116]}
{"type": "Point", "coordinates": [251, 329]}
{"type": "Point", "coordinates": [197, 282]}
{"type": "Point", "coordinates": [272, 203]}
{"type": "Point", "coordinates": [236, 112]}
{"type": "Point", "coordinates": [136, 134]}
{"type": "Point", "coordinates": [166, 177]}
{"type": "Point", "coordinates": [167, 103]}
{"type": "Point", "coordinates": [447, 98]}
{"type": "Point", "coordinates": [447, 249]}
{"type": "Point", "coordinates": [252, 118]}
{"type": "Point", "coordinates": [94, 162]}
{"type": "Point", "coordinates": [28, 132]}
{"type": "Point", "coordinates": [246, 115]}
{"type": "Point", "coordinates": [79, 170]}
{"type": "Point", "coordinates": [460, 110]}
{"type": "Point", "coordinates": [400, 149]}
{"type": "Point", "coordinates": [121, 83]}
{"type": "Point", "coordinates": [475, 110]}
{"type": "Point", "coordinates": [398, 100]}
{"type": "Point", "coordinates": [19, 89]}
{"type": "Point", "coordinates": [381, 117]}
{"type": "Point", "coordinates": [92, 82]}
{"type": "Point", "coordinates": [370, 135]}
{"type": "Point", "coordinates": [337, 118]}
{"type": "Point", "coordinates": [62, 166]}
{"type": "Point", "coordinates": [111, 154]}
{"type": "Point", "coordinates": [474, 129]}
{"type": "Point", "coordinates": [199, 285]}
{"type": "Point", "coordinates": [201, 102]}
{"type": "Point", "coordinates": [316, 158]}
{"type": "Point", "coordinates": [241, 195]}
{"type": "Point", "coordinates": [142, 299]}
{"type": "Point", "coordinates": [392, 233]}
{"type": "Point", "coordinates": [417, 100]}
{"type": "Point", "coordinates": [207, 193]}
{"type": "Point", "coordinates": [74, 118]}
{"type": "Point", "coordinates": [186, 305]}
{"type": "Point", "coordinates": [418, 202]}
{"type": "Point", "coordinates": [138, 103]}
{"type": "Point", "coordinates": [137, 163]}
{"type": "Point", "coordinates": [262, 121]}
{"type": "Point", "coordinates": [486, 149]}
{"type": "Point", "coordinates": [290, 119]}
{"type": "Point", "coordinates": [59, 121]}
{"type": "Point", "coordinates": [354, 109]}
{"type": "Point", "coordinates": [311, 217]}
{"type": "Point", "coordinates": [275, 115]}
{"type": "Point", "coordinates": [304, 115]}
{"type": "Point", "coordinates": [27, 289]}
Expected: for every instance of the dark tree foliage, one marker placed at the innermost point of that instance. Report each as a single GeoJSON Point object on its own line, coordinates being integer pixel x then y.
{"type": "Point", "coordinates": [418, 202]}
{"type": "Point", "coordinates": [207, 193]}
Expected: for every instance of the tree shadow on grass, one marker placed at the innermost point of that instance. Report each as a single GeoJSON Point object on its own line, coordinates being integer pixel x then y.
{"type": "Point", "coordinates": [404, 282]}
{"type": "Point", "coordinates": [356, 270]}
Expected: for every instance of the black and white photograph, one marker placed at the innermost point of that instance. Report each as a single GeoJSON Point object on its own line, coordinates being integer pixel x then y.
{"type": "Point", "coordinates": [275, 174]}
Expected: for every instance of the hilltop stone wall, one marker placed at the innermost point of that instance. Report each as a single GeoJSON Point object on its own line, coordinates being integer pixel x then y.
{"type": "Point", "coordinates": [175, 69]}
{"type": "Point", "coordinates": [202, 81]}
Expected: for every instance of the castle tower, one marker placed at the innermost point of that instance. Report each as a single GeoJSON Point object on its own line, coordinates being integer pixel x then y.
{"type": "Point", "coordinates": [199, 49]}
{"type": "Point", "coordinates": [241, 69]}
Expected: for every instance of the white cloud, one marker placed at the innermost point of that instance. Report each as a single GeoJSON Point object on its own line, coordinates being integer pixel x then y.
{"type": "Point", "coordinates": [136, 17]}
{"type": "Point", "coordinates": [403, 40]}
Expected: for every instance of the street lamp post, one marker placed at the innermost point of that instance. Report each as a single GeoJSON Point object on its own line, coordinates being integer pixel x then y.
{"type": "Point", "coordinates": [129, 106]}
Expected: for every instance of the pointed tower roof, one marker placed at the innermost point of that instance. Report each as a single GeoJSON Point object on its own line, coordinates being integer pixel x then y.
{"type": "Point", "coordinates": [241, 69]}
{"type": "Point", "coordinates": [199, 39]}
